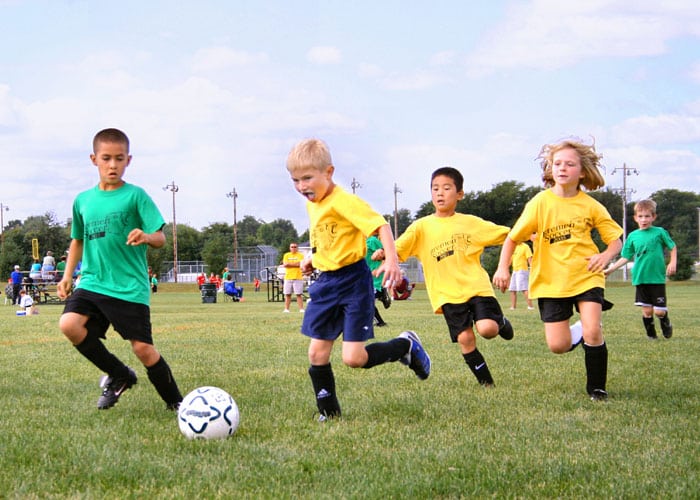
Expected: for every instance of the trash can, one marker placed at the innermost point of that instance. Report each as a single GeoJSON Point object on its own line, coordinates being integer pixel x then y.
{"type": "Point", "coordinates": [208, 293]}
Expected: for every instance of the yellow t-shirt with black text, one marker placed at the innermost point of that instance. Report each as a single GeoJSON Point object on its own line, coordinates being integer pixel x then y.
{"type": "Point", "coordinates": [339, 226]}
{"type": "Point", "coordinates": [450, 249]}
{"type": "Point", "coordinates": [521, 255]}
{"type": "Point", "coordinates": [563, 225]}
{"type": "Point", "coordinates": [293, 273]}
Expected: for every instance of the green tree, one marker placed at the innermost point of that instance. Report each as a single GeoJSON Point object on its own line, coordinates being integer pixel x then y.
{"type": "Point", "coordinates": [247, 231]}
{"type": "Point", "coordinates": [404, 220]}
{"type": "Point", "coordinates": [677, 212]}
{"type": "Point", "coordinates": [279, 233]}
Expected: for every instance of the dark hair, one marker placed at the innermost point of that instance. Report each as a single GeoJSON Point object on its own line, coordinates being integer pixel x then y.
{"type": "Point", "coordinates": [110, 135]}
{"type": "Point", "coordinates": [452, 173]}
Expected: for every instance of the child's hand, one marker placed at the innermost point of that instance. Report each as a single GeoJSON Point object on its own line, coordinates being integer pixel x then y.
{"type": "Point", "coordinates": [137, 237]}
{"type": "Point", "coordinates": [64, 288]}
{"type": "Point", "coordinates": [306, 266]}
{"type": "Point", "coordinates": [501, 279]}
{"type": "Point", "coordinates": [671, 269]}
{"type": "Point", "coordinates": [597, 263]}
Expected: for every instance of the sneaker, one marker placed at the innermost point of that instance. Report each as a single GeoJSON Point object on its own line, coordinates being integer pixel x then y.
{"type": "Point", "coordinates": [666, 327]}
{"type": "Point", "coordinates": [301, 311]}
{"type": "Point", "coordinates": [113, 388]}
{"type": "Point", "coordinates": [599, 395]}
{"type": "Point", "coordinates": [506, 329]}
{"type": "Point", "coordinates": [416, 358]}
{"type": "Point", "coordinates": [286, 311]}
{"type": "Point", "coordinates": [385, 299]}
{"type": "Point", "coordinates": [652, 337]}
{"type": "Point", "coordinates": [530, 308]}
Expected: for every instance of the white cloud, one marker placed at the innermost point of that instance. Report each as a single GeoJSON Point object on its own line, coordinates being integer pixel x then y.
{"type": "Point", "coordinates": [548, 34]}
{"type": "Point", "coordinates": [324, 55]}
{"type": "Point", "coordinates": [221, 58]}
{"type": "Point", "coordinates": [659, 129]}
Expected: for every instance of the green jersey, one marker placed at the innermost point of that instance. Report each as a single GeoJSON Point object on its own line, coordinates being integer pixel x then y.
{"type": "Point", "coordinates": [646, 248]}
{"type": "Point", "coordinates": [103, 220]}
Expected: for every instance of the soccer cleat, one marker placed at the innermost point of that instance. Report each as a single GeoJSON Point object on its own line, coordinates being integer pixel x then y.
{"type": "Point", "coordinates": [325, 417]}
{"type": "Point", "coordinates": [506, 329]}
{"type": "Point", "coordinates": [114, 388]}
{"type": "Point", "coordinates": [416, 358]}
{"type": "Point", "coordinates": [666, 327]}
{"type": "Point", "coordinates": [599, 395]}
{"type": "Point", "coordinates": [173, 406]}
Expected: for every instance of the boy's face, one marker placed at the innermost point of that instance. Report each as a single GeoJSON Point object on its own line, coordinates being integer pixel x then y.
{"type": "Point", "coordinates": [111, 160]}
{"type": "Point", "coordinates": [644, 218]}
{"type": "Point", "coordinates": [311, 183]}
{"type": "Point", "coordinates": [445, 195]}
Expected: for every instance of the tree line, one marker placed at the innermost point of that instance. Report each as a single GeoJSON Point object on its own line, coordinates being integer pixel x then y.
{"type": "Point", "coordinates": [213, 244]}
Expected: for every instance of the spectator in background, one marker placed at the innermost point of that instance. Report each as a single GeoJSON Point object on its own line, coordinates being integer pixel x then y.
{"type": "Point", "coordinates": [17, 278]}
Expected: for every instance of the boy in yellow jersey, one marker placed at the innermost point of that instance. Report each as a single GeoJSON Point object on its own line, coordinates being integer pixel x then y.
{"type": "Point", "coordinates": [342, 298]}
{"type": "Point", "coordinates": [449, 245]}
{"type": "Point", "coordinates": [567, 266]}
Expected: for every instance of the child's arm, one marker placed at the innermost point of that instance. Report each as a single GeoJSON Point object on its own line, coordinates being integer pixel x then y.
{"type": "Point", "coordinates": [139, 237]}
{"type": "Point", "coordinates": [501, 278]}
{"type": "Point", "coordinates": [598, 262]}
{"type": "Point", "coordinates": [390, 266]}
{"type": "Point", "coordinates": [75, 253]}
{"type": "Point", "coordinates": [671, 268]}
{"type": "Point", "coordinates": [615, 266]}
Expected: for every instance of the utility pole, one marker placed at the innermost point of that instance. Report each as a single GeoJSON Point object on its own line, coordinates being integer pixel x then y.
{"type": "Point", "coordinates": [354, 185]}
{"type": "Point", "coordinates": [396, 211]}
{"type": "Point", "coordinates": [626, 171]}
{"type": "Point", "coordinates": [3, 209]}
{"type": "Point", "coordinates": [174, 189]}
{"type": "Point", "coordinates": [234, 195]}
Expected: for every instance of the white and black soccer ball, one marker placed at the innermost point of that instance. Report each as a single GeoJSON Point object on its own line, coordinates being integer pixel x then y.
{"type": "Point", "coordinates": [208, 413]}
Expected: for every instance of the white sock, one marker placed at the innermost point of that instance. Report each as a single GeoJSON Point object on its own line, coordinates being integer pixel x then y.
{"type": "Point", "coordinates": [576, 333]}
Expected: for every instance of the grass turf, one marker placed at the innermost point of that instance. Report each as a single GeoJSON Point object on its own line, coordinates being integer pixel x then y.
{"type": "Point", "coordinates": [535, 435]}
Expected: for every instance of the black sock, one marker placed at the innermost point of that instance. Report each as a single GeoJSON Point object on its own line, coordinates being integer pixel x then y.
{"type": "Point", "coordinates": [378, 316]}
{"type": "Point", "coordinates": [96, 352]}
{"type": "Point", "coordinates": [596, 366]}
{"type": "Point", "coordinates": [665, 321]}
{"type": "Point", "coordinates": [323, 383]}
{"type": "Point", "coordinates": [381, 352]}
{"type": "Point", "coordinates": [649, 326]}
{"type": "Point", "coordinates": [477, 364]}
{"type": "Point", "coordinates": [162, 379]}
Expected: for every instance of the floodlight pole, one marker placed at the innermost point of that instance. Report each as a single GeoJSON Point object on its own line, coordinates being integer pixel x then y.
{"type": "Point", "coordinates": [626, 171]}
{"type": "Point", "coordinates": [234, 195]}
{"type": "Point", "coordinates": [172, 187]}
{"type": "Point", "coordinates": [3, 209]}
{"type": "Point", "coordinates": [396, 210]}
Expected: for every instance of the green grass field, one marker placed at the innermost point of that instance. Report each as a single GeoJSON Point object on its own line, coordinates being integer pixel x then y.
{"type": "Point", "coordinates": [536, 435]}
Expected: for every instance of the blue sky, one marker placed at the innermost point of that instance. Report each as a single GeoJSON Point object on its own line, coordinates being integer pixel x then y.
{"type": "Point", "coordinates": [213, 94]}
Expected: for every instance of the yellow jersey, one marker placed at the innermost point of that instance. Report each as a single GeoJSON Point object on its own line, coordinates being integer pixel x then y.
{"type": "Point", "coordinates": [521, 256]}
{"type": "Point", "coordinates": [293, 273]}
{"type": "Point", "coordinates": [564, 242]}
{"type": "Point", "coordinates": [450, 249]}
{"type": "Point", "coordinates": [339, 226]}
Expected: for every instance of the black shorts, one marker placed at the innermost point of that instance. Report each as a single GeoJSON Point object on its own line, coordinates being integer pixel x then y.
{"type": "Point", "coordinates": [650, 296]}
{"type": "Point", "coordinates": [460, 317]}
{"type": "Point", "coordinates": [131, 320]}
{"type": "Point", "coordinates": [553, 310]}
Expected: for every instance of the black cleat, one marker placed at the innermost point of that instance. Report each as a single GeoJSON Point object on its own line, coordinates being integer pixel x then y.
{"type": "Point", "coordinates": [666, 327]}
{"type": "Point", "coordinates": [114, 388]}
{"type": "Point", "coordinates": [506, 329]}
{"type": "Point", "coordinates": [599, 395]}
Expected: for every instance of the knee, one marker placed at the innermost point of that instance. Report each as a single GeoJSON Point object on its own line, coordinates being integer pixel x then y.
{"type": "Point", "coordinates": [487, 328]}
{"type": "Point", "coordinates": [354, 362]}
{"type": "Point", "coordinates": [147, 353]}
{"type": "Point", "coordinates": [73, 327]}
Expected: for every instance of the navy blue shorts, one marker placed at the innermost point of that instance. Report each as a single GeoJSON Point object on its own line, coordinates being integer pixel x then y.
{"type": "Point", "coordinates": [131, 320]}
{"type": "Point", "coordinates": [341, 301]}
{"type": "Point", "coordinates": [553, 310]}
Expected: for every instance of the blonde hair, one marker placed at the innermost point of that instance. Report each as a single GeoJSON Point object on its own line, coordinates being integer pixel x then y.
{"type": "Point", "coordinates": [649, 205]}
{"type": "Point", "coordinates": [590, 163]}
{"type": "Point", "coordinates": [312, 153]}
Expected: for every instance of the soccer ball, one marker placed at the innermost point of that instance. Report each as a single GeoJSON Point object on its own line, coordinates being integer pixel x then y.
{"type": "Point", "coordinates": [208, 413]}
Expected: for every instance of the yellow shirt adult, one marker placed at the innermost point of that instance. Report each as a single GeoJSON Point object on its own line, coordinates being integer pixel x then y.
{"type": "Point", "coordinates": [521, 256]}
{"type": "Point", "coordinates": [294, 272]}
{"type": "Point", "coordinates": [340, 224]}
{"type": "Point", "coordinates": [563, 226]}
{"type": "Point", "coordinates": [450, 250]}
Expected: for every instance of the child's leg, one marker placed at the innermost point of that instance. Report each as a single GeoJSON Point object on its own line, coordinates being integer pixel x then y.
{"type": "Point", "coordinates": [378, 317]}
{"type": "Point", "coordinates": [595, 348]}
{"type": "Point", "coordinates": [666, 327]}
{"type": "Point", "coordinates": [513, 300]}
{"type": "Point", "coordinates": [474, 359]}
{"type": "Point", "coordinates": [158, 372]}
{"type": "Point", "coordinates": [559, 336]}
{"type": "Point", "coordinates": [322, 378]}
{"type": "Point", "coordinates": [359, 355]}
{"type": "Point", "coordinates": [85, 337]}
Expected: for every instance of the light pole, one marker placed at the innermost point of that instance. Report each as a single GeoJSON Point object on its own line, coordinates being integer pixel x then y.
{"type": "Point", "coordinates": [355, 185]}
{"type": "Point", "coordinates": [3, 209]}
{"type": "Point", "coordinates": [172, 187]}
{"type": "Point", "coordinates": [396, 211]}
{"type": "Point", "coordinates": [626, 171]}
{"type": "Point", "coordinates": [234, 195]}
